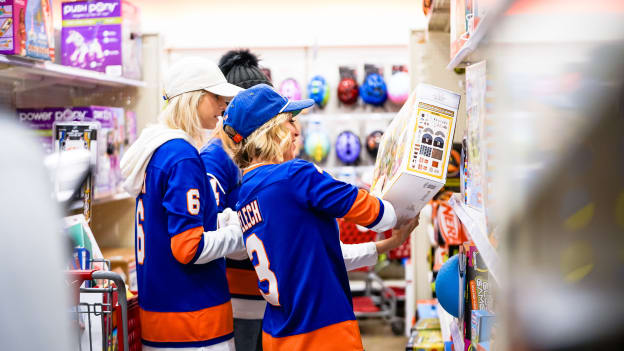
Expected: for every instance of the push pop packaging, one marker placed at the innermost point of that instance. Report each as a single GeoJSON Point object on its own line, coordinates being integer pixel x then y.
{"type": "Point", "coordinates": [414, 151]}
{"type": "Point", "coordinates": [26, 28]}
{"type": "Point", "coordinates": [102, 36]}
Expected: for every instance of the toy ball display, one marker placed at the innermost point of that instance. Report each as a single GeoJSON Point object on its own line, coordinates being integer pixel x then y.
{"type": "Point", "coordinates": [290, 89]}
{"type": "Point", "coordinates": [374, 91]}
{"type": "Point", "coordinates": [372, 142]}
{"type": "Point", "coordinates": [399, 87]}
{"type": "Point", "coordinates": [348, 91]}
{"type": "Point", "coordinates": [447, 286]}
{"type": "Point", "coordinates": [348, 147]}
{"type": "Point", "coordinates": [318, 90]}
{"type": "Point", "coordinates": [316, 146]}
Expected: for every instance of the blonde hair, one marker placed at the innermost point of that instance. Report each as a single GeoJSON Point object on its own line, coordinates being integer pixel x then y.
{"type": "Point", "coordinates": [181, 113]}
{"type": "Point", "coordinates": [267, 143]}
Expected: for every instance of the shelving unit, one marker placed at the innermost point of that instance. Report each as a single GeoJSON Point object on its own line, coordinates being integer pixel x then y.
{"type": "Point", "coordinates": [474, 221]}
{"type": "Point", "coordinates": [39, 74]}
{"type": "Point", "coordinates": [472, 43]}
{"type": "Point", "coordinates": [110, 197]}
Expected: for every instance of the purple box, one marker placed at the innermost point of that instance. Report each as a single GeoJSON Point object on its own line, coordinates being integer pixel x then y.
{"type": "Point", "coordinates": [101, 36]}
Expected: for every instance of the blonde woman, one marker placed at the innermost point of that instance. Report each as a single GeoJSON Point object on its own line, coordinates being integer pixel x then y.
{"type": "Point", "coordinates": [288, 209]}
{"type": "Point", "coordinates": [183, 291]}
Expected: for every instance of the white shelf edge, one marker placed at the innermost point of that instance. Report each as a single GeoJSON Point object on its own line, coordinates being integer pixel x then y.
{"type": "Point", "coordinates": [445, 323]}
{"type": "Point", "coordinates": [474, 221]}
{"type": "Point", "coordinates": [50, 69]}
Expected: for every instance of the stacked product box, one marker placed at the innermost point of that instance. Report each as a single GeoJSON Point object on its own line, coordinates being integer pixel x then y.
{"type": "Point", "coordinates": [414, 152]}
{"type": "Point", "coordinates": [478, 292]}
{"type": "Point", "coordinates": [102, 36]}
{"type": "Point", "coordinates": [26, 28]}
{"type": "Point", "coordinates": [111, 140]}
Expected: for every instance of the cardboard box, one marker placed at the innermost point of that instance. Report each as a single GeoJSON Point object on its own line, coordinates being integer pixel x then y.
{"type": "Point", "coordinates": [26, 28]}
{"type": "Point", "coordinates": [123, 259]}
{"type": "Point", "coordinates": [481, 326]}
{"type": "Point", "coordinates": [425, 340]}
{"type": "Point", "coordinates": [102, 36]}
{"type": "Point", "coordinates": [414, 151]}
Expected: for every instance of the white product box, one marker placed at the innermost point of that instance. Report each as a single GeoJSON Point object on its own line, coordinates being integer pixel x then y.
{"type": "Point", "coordinates": [414, 152]}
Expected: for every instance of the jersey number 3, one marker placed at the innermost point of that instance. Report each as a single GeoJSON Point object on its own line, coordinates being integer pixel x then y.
{"type": "Point", "coordinates": [254, 244]}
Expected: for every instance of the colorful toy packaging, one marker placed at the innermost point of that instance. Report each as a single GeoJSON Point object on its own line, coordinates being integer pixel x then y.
{"type": "Point", "coordinates": [414, 152]}
{"type": "Point", "coordinates": [111, 136]}
{"type": "Point", "coordinates": [26, 28]}
{"type": "Point", "coordinates": [102, 36]}
{"type": "Point", "coordinates": [481, 326]}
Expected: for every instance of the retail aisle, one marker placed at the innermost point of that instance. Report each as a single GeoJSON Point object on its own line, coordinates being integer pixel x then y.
{"type": "Point", "coordinates": [377, 336]}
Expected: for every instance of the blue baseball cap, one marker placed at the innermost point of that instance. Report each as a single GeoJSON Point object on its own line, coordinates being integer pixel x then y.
{"type": "Point", "coordinates": [252, 108]}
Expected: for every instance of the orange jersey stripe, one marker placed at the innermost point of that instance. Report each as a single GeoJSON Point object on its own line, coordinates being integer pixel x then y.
{"type": "Point", "coordinates": [206, 324]}
{"type": "Point", "coordinates": [364, 210]}
{"type": "Point", "coordinates": [344, 336]}
{"type": "Point", "coordinates": [184, 245]}
{"type": "Point", "coordinates": [242, 281]}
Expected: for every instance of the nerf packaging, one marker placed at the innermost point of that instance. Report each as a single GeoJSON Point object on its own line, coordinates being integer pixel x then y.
{"type": "Point", "coordinates": [26, 28]}
{"type": "Point", "coordinates": [414, 152]}
{"type": "Point", "coordinates": [102, 36]}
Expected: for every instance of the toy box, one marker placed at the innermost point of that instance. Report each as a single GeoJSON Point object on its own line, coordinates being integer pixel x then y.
{"type": "Point", "coordinates": [102, 36]}
{"type": "Point", "coordinates": [425, 340]}
{"type": "Point", "coordinates": [26, 28]}
{"type": "Point", "coordinates": [414, 151]}
{"type": "Point", "coordinates": [481, 326]}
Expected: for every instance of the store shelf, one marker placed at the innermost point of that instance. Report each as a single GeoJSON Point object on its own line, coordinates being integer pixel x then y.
{"type": "Point", "coordinates": [472, 43]}
{"type": "Point", "coordinates": [445, 323]}
{"type": "Point", "coordinates": [110, 197]}
{"type": "Point", "coordinates": [474, 221]}
{"type": "Point", "coordinates": [362, 116]}
{"type": "Point", "coordinates": [45, 73]}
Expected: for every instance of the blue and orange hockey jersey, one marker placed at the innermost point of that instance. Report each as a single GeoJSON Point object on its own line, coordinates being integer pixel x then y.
{"type": "Point", "coordinates": [224, 177]}
{"type": "Point", "coordinates": [182, 304]}
{"type": "Point", "coordinates": [288, 215]}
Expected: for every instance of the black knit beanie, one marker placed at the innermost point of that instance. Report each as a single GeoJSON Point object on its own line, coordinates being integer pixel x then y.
{"type": "Point", "coordinates": [240, 67]}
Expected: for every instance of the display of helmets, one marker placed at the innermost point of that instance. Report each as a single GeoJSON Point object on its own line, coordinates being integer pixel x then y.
{"type": "Point", "coordinates": [348, 91]}
{"type": "Point", "coordinates": [316, 146]}
{"type": "Point", "coordinates": [373, 91]}
{"type": "Point", "coordinates": [290, 88]}
{"type": "Point", "coordinates": [372, 143]}
{"type": "Point", "coordinates": [348, 147]}
{"type": "Point", "coordinates": [318, 90]}
{"type": "Point", "coordinates": [399, 87]}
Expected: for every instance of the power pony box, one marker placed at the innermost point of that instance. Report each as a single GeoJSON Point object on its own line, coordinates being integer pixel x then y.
{"type": "Point", "coordinates": [26, 28]}
{"type": "Point", "coordinates": [102, 36]}
{"type": "Point", "coordinates": [414, 151]}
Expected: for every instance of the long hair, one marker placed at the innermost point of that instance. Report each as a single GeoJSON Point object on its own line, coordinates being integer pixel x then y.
{"type": "Point", "coordinates": [267, 143]}
{"type": "Point", "coordinates": [181, 113]}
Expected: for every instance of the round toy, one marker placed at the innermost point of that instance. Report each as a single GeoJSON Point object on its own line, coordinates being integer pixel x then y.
{"type": "Point", "coordinates": [290, 89]}
{"type": "Point", "coordinates": [399, 87]}
{"type": "Point", "coordinates": [348, 147]}
{"type": "Point", "coordinates": [447, 286]}
{"type": "Point", "coordinates": [374, 91]}
{"type": "Point", "coordinates": [348, 91]}
{"type": "Point", "coordinates": [318, 90]}
{"type": "Point", "coordinates": [372, 143]}
{"type": "Point", "coordinates": [317, 146]}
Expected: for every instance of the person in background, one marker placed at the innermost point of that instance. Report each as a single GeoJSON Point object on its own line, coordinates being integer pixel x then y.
{"type": "Point", "coordinates": [288, 209]}
{"type": "Point", "coordinates": [183, 293]}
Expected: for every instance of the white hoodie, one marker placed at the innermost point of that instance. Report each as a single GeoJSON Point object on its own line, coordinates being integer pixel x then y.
{"type": "Point", "coordinates": [227, 239]}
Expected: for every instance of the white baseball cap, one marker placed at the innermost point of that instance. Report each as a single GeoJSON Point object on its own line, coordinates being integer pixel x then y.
{"type": "Point", "coordinates": [195, 73]}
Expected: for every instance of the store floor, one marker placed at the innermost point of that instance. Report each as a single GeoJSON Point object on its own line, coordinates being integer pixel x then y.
{"type": "Point", "coordinates": [377, 336]}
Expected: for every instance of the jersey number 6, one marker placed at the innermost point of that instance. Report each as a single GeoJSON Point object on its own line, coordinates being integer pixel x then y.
{"type": "Point", "coordinates": [140, 244]}
{"type": "Point", "coordinates": [254, 244]}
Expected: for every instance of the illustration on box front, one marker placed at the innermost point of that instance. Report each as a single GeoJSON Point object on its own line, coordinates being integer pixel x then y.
{"type": "Point", "coordinates": [429, 147]}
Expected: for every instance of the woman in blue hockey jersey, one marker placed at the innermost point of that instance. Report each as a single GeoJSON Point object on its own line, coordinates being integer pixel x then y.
{"type": "Point", "coordinates": [288, 209]}
{"type": "Point", "coordinates": [240, 68]}
{"type": "Point", "coordinates": [183, 292]}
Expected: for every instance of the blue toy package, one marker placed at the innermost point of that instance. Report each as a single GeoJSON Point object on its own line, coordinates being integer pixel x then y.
{"type": "Point", "coordinates": [39, 30]}
{"type": "Point", "coordinates": [481, 326]}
